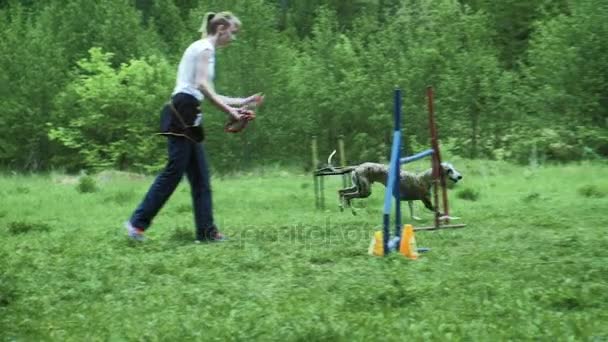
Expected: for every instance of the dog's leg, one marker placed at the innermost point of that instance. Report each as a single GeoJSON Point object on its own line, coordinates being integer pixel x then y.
{"type": "Point", "coordinates": [448, 218]}
{"type": "Point", "coordinates": [442, 216]}
{"type": "Point", "coordinates": [428, 204]}
{"type": "Point", "coordinates": [352, 189]}
{"type": "Point", "coordinates": [341, 197]}
{"type": "Point", "coordinates": [364, 190]}
{"type": "Point", "coordinates": [348, 196]}
{"type": "Point", "coordinates": [353, 192]}
{"type": "Point", "coordinates": [355, 189]}
{"type": "Point", "coordinates": [411, 205]}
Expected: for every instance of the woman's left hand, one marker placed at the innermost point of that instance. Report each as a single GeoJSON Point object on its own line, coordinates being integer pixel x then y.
{"type": "Point", "coordinates": [256, 100]}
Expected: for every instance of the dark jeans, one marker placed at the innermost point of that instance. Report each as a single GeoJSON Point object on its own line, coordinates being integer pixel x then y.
{"type": "Point", "coordinates": [184, 156]}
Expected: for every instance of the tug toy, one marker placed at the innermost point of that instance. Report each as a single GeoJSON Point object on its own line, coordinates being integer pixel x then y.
{"type": "Point", "coordinates": [247, 114]}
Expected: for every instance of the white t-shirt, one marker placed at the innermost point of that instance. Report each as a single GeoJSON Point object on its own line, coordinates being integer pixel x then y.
{"type": "Point", "coordinates": [186, 72]}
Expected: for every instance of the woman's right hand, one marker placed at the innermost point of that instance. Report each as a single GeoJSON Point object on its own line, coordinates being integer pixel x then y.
{"type": "Point", "coordinates": [234, 114]}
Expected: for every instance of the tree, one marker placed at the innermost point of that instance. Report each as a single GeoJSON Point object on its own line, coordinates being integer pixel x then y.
{"type": "Point", "coordinates": [117, 114]}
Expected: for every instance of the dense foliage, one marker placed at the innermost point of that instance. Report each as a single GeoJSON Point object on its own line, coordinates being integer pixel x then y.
{"type": "Point", "coordinates": [82, 82]}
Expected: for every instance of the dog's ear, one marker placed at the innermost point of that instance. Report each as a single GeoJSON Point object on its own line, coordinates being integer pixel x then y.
{"type": "Point", "coordinates": [448, 168]}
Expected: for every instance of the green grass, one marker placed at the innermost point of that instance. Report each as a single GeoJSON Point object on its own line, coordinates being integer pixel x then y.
{"type": "Point", "coordinates": [532, 263]}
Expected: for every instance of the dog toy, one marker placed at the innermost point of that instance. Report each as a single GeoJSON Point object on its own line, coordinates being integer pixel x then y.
{"type": "Point", "coordinates": [235, 126]}
{"type": "Point", "coordinates": [247, 114]}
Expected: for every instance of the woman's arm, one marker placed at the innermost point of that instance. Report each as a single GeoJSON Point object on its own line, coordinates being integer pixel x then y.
{"type": "Point", "coordinates": [236, 101]}
{"type": "Point", "coordinates": [205, 86]}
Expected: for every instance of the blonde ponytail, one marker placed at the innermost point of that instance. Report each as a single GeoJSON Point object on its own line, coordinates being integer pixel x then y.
{"type": "Point", "coordinates": [205, 26]}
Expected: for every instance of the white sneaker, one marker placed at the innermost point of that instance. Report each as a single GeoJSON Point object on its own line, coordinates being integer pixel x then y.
{"type": "Point", "coordinates": [136, 234]}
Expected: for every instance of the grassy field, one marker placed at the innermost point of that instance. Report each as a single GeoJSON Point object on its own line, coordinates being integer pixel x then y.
{"type": "Point", "coordinates": [532, 263]}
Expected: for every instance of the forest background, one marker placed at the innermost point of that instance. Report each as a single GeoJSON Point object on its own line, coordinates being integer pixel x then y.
{"type": "Point", "coordinates": [82, 82]}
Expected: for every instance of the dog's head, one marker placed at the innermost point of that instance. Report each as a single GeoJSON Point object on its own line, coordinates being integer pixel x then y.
{"type": "Point", "coordinates": [450, 171]}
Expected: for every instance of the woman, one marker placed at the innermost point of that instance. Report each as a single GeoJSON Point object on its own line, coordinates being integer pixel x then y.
{"type": "Point", "coordinates": [181, 123]}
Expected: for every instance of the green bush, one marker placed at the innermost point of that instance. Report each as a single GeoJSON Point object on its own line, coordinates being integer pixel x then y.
{"type": "Point", "coordinates": [22, 227]}
{"type": "Point", "coordinates": [532, 197]}
{"type": "Point", "coordinates": [106, 117]}
{"type": "Point", "coordinates": [591, 191]}
{"type": "Point", "coordinates": [87, 184]}
{"type": "Point", "coordinates": [558, 145]}
{"type": "Point", "coordinates": [468, 194]}
{"type": "Point", "coordinates": [121, 197]}
{"type": "Point", "coordinates": [8, 290]}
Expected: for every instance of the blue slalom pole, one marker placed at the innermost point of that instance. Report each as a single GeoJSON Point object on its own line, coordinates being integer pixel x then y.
{"type": "Point", "coordinates": [389, 194]}
{"type": "Point", "coordinates": [396, 187]}
{"type": "Point", "coordinates": [392, 184]}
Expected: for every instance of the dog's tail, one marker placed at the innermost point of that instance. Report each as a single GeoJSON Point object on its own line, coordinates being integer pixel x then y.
{"type": "Point", "coordinates": [330, 170]}
{"type": "Point", "coordinates": [331, 156]}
